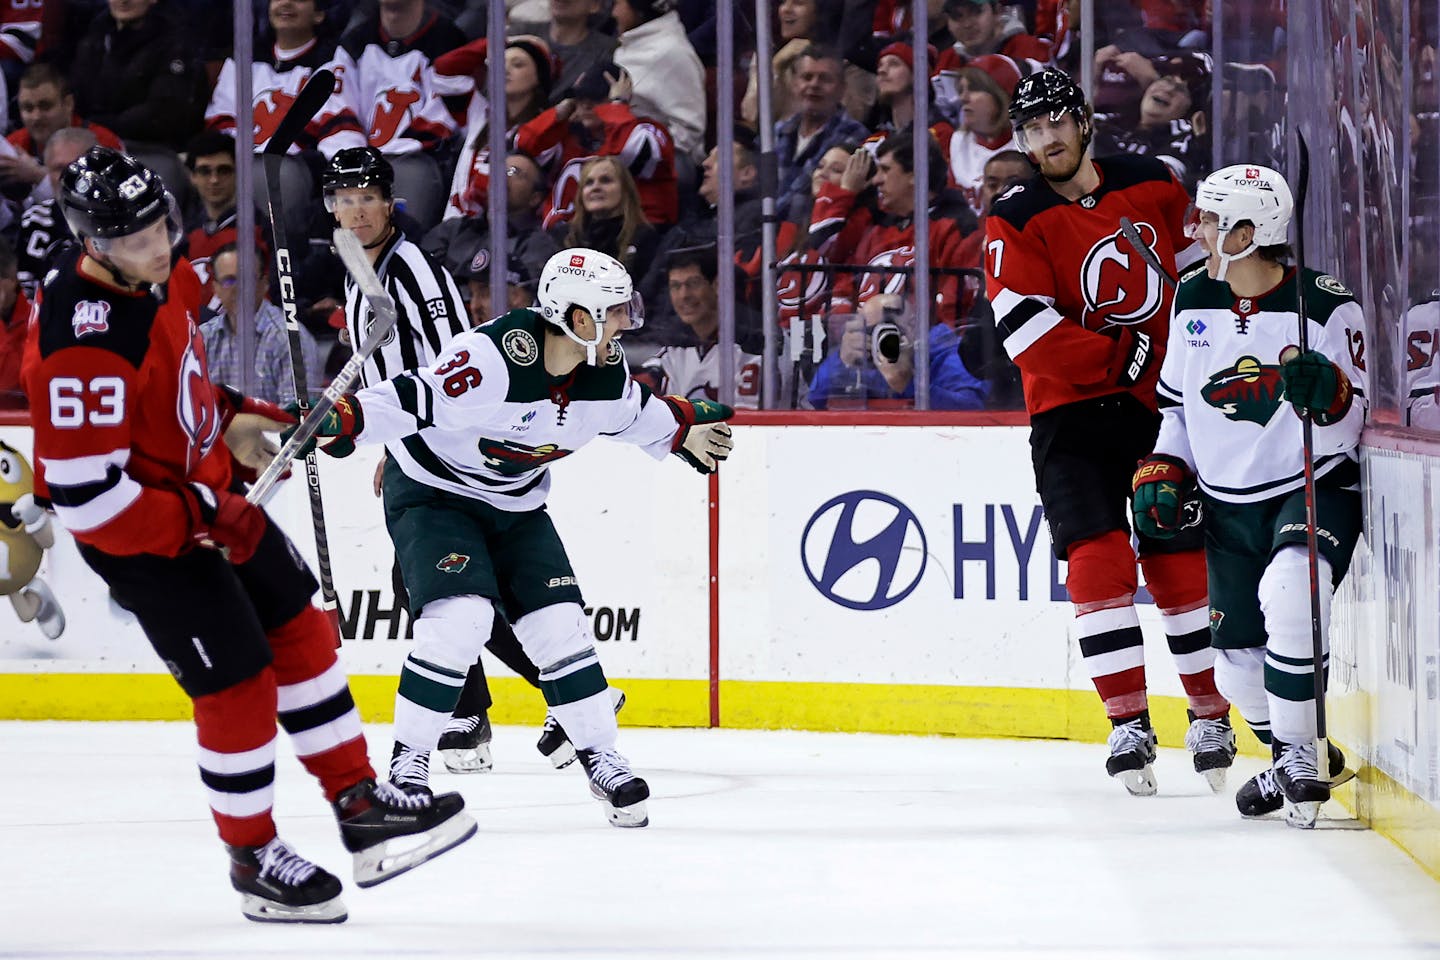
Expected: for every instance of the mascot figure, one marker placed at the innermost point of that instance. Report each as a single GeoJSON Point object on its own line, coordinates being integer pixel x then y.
{"type": "Point", "coordinates": [25, 535]}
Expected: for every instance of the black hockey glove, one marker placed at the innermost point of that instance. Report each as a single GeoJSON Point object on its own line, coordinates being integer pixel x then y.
{"type": "Point", "coordinates": [703, 439]}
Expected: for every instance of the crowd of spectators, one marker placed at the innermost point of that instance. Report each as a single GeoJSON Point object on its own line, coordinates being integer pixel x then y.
{"type": "Point", "coordinates": [610, 109]}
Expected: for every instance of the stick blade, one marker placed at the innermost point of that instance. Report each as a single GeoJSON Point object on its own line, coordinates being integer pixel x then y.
{"type": "Point", "coordinates": [352, 254]}
{"type": "Point", "coordinates": [308, 103]}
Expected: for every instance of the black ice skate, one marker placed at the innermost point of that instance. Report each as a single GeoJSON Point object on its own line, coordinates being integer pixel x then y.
{"type": "Point", "coordinates": [554, 743]}
{"type": "Point", "coordinates": [1261, 795]}
{"type": "Point", "coordinates": [612, 783]}
{"type": "Point", "coordinates": [410, 770]}
{"type": "Point", "coordinates": [465, 745]}
{"type": "Point", "coordinates": [372, 815]}
{"type": "Point", "coordinates": [278, 885]}
{"type": "Point", "coordinates": [1212, 746]}
{"type": "Point", "coordinates": [1297, 776]}
{"type": "Point", "coordinates": [1132, 751]}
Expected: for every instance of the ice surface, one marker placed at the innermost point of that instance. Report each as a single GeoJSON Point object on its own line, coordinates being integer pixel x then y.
{"type": "Point", "coordinates": [764, 845]}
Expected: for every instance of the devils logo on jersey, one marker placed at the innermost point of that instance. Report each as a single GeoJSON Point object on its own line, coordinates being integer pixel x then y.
{"type": "Point", "coordinates": [1250, 390]}
{"type": "Point", "coordinates": [1118, 285]}
{"type": "Point", "coordinates": [513, 459]}
{"type": "Point", "coordinates": [195, 403]}
{"type": "Point", "coordinates": [796, 288]}
{"type": "Point", "coordinates": [883, 282]}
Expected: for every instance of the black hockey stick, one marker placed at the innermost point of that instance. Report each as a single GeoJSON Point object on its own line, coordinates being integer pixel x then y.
{"type": "Point", "coordinates": [1307, 439]}
{"type": "Point", "coordinates": [383, 306]}
{"type": "Point", "coordinates": [1132, 236]}
{"type": "Point", "coordinates": [306, 105]}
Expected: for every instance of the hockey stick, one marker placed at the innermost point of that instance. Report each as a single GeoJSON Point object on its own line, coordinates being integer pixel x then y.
{"type": "Point", "coordinates": [1132, 236]}
{"type": "Point", "coordinates": [1307, 439]}
{"type": "Point", "coordinates": [305, 106]}
{"type": "Point", "coordinates": [381, 304]}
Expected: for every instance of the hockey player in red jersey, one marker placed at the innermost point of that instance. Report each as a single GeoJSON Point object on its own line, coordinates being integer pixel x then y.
{"type": "Point", "coordinates": [133, 450]}
{"type": "Point", "coordinates": [1085, 319]}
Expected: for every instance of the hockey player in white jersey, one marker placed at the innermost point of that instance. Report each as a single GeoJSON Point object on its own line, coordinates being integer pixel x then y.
{"type": "Point", "coordinates": [1230, 439]}
{"type": "Point", "coordinates": [470, 437]}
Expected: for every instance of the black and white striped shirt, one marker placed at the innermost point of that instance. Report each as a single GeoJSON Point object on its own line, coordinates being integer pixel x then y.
{"type": "Point", "coordinates": [427, 302]}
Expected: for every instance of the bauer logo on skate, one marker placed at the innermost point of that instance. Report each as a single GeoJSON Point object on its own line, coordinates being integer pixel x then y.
{"type": "Point", "coordinates": [864, 550]}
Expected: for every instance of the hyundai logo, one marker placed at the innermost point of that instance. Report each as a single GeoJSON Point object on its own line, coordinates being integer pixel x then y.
{"type": "Point", "coordinates": [864, 550]}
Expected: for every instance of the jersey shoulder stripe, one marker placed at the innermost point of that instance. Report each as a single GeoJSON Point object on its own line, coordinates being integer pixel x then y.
{"type": "Point", "coordinates": [1324, 295]}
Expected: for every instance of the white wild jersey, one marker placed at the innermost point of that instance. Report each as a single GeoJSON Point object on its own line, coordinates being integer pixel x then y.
{"type": "Point", "coordinates": [1221, 394]}
{"type": "Point", "coordinates": [485, 420]}
{"type": "Point", "coordinates": [430, 311]}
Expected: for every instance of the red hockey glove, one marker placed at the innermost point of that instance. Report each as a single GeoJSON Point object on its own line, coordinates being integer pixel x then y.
{"type": "Point", "coordinates": [703, 439]}
{"type": "Point", "coordinates": [1134, 353]}
{"type": "Point", "coordinates": [1158, 506]}
{"type": "Point", "coordinates": [247, 421]}
{"type": "Point", "coordinates": [223, 520]}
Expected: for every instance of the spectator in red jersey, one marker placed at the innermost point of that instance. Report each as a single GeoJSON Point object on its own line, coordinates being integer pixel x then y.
{"type": "Point", "coordinates": [595, 119]}
{"type": "Point", "coordinates": [14, 317]}
{"type": "Point", "coordinates": [985, 87]}
{"type": "Point", "coordinates": [608, 216]}
{"type": "Point", "coordinates": [986, 26]}
{"type": "Point", "coordinates": [46, 105]}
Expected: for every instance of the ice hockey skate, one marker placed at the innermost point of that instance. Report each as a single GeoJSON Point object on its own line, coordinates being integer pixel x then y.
{"type": "Point", "coordinates": [1212, 747]}
{"type": "Point", "coordinates": [1261, 795]}
{"type": "Point", "coordinates": [410, 770]}
{"type": "Point", "coordinates": [1296, 774]}
{"type": "Point", "coordinates": [390, 831]}
{"type": "Point", "coordinates": [465, 745]}
{"type": "Point", "coordinates": [554, 743]}
{"type": "Point", "coordinates": [612, 783]}
{"type": "Point", "coordinates": [1132, 752]}
{"type": "Point", "coordinates": [277, 885]}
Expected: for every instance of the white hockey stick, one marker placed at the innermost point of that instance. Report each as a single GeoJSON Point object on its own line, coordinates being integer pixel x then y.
{"type": "Point", "coordinates": [383, 307]}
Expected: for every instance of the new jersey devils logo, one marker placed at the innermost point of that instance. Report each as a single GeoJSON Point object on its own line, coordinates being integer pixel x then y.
{"type": "Point", "coordinates": [873, 283]}
{"type": "Point", "coordinates": [796, 287]}
{"type": "Point", "coordinates": [1118, 286]}
{"type": "Point", "coordinates": [195, 403]}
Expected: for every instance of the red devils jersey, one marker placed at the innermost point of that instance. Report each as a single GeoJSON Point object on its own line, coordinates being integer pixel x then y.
{"type": "Point", "coordinates": [122, 408]}
{"type": "Point", "coordinates": [1062, 280]}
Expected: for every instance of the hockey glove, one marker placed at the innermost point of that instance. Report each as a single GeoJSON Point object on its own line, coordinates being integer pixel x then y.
{"type": "Point", "coordinates": [247, 421]}
{"type": "Point", "coordinates": [703, 439]}
{"type": "Point", "coordinates": [223, 520]}
{"type": "Point", "coordinates": [1159, 503]}
{"type": "Point", "coordinates": [1134, 354]}
{"type": "Point", "coordinates": [344, 422]}
{"type": "Point", "coordinates": [1315, 384]}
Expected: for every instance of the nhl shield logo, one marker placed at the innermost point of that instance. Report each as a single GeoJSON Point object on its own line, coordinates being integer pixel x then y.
{"type": "Point", "coordinates": [520, 347]}
{"type": "Point", "coordinates": [91, 316]}
{"type": "Point", "coordinates": [452, 562]}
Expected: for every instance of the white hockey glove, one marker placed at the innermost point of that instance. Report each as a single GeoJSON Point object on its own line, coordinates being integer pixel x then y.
{"type": "Point", "coordinates": [36, 520]}
{"type": "Point", "coordinates": [703, 439]}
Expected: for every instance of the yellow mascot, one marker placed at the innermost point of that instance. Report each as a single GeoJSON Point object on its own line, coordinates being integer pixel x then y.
{"type": "Point", "coordinates": [25, 535]}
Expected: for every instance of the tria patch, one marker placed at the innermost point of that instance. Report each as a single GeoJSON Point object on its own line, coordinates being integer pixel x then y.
{"type": "Point", "coordinates": [1195, 327]}
{"type": "Point", "coordinates": [1250, 390]}
{"type": "Point", "coordinates": [520, 347]}
{"type": "Point", "coordinates": [91, 316]}
{"type": "Point", "coordinates": [452, 562]}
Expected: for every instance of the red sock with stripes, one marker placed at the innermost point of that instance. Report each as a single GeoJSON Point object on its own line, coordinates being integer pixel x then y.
{"type": "Point", "coordinates": [236, 733]}
{"type": "Point", "coordinates": [1177, 581]}
{"type": "Point", "coordinates": [1101, 580]}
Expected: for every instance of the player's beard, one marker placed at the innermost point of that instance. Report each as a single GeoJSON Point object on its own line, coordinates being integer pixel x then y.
{"type": "Point", "coordinates": [1063, 168]}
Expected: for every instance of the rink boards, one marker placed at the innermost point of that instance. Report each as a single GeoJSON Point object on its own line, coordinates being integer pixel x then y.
{"type": "Point", "coordinates": [871, 577]}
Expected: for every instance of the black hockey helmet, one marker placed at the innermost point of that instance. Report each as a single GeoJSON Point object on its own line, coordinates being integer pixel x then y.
{"type": "Point", "coordinates": [107, 194]}
{"type": "Point", "coordinates": [357, 167]}
{"type": "Point", "coordinates": [1050, 92]}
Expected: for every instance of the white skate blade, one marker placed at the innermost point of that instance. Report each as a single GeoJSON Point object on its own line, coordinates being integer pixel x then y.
{"type": "Point", "coordinates": [634, 815]}
{"type": "Point", "coordinates": [1140, 783]}
{"type": "Point", "coordinates": [387, 860]}
{"type": "Point", "coordinates": [563, 756]}
{"type": "Point", "coordinates": [476, 759]}
{"type": "Point", "coordinates": [1302, 815]}
{"type": "Point", "coordinates": [1216, 778]}
{"type": "Point", "coordinates": [268, 911]}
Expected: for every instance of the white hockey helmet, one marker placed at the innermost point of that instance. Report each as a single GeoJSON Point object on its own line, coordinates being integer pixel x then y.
{"type": "Point", "coordinates": [595, 281]}
{"type": "Point", "coordinates": [1247, 192]}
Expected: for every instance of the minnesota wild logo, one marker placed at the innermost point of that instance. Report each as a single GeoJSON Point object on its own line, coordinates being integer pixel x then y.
{"type": "Point", "coordinates": [1250, 390]}
{"type": "Point", "coordinates": [452, 562]}
{"type": "Point", "coordinates": [513, 459]}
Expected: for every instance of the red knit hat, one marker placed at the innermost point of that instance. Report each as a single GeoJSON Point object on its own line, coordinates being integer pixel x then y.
{"type": "Point", "coordinates": [903, 50]}
{"type": "Point", "coordinates": [1000, 68]}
